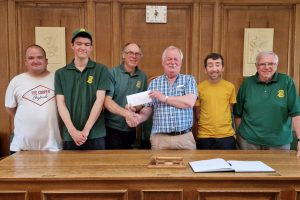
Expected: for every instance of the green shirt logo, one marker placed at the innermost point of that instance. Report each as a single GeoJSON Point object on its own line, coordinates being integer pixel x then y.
{"type": "Point", "coordinates": [90, 80]}
{"type": "Point", "coordinates": [138, 84]}
{"type": "Point", "coordinates": [280, 93]}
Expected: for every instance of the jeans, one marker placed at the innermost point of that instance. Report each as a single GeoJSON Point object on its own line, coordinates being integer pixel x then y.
{"type": "Point", "coordinates": [227, 143]}
{"type": "Point", "coordinates": [117, 139]}
{"type": "Point", "coordinates": [90, 144]}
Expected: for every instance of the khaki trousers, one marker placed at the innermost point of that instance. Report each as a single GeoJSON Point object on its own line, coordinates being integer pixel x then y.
{"type": "Point", "coordinates": [160, 141]}
{"type": "Point", "coordinates": [244, 145]}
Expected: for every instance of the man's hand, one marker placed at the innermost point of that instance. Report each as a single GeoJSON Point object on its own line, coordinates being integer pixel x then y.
{"type": "Point", "coordinates": [85, 133]}
{"type": "Point", "coordinates": [130, 108]}
{"type": "Point", "coordinates": [130, 118]}
{"type": "Point", "coordinates": [158, 95]}
{"type": "Point", "coordinates": [78, 137]}
{"type": "Point", "coordinates": [134, 120]}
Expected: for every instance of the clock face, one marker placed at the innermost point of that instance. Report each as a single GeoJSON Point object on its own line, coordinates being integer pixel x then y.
{"type": "Point", "coordinates": [156, 14]}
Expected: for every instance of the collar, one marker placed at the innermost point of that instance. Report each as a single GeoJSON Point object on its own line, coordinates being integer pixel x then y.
{"type": "Point", "coordinates": [90, 64]}
{"type": "Point", "coordinates": [122, 67]}
{"type": "Point", "coordinates": [273, 80]}
{"type": "Point", "coordinates": [167, 78]}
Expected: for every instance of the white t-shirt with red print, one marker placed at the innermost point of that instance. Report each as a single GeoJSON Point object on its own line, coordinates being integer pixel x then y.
{"type": "Point", "coordinates": [36, 124]}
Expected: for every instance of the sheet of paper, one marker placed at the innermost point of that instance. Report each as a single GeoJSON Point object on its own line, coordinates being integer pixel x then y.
{"type": "Point", "coordinates": [211, 165]}
{"type": "Point", "coordinates": [250, 166]}
{"type": "Point", "coordinates": [139, 98]}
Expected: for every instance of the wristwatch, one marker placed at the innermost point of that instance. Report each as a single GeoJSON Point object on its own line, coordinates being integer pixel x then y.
{"type": "Point", "coordinates": [166, 99]}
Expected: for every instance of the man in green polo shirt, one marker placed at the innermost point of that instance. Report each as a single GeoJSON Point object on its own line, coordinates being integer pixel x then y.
{"type": "Point", "coordinates": [80, 89]}
{"type": "Point", "coordinates": [125, 79]}
{"type": "Point", "coordinates": [267, 105]}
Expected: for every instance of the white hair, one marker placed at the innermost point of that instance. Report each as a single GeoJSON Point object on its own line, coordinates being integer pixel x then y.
{"type": "Point", "coordinates": [171, 48]}
{"type": "Point", "coordinates": [267, 53]}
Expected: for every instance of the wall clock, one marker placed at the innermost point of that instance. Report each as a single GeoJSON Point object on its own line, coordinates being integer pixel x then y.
{"type": "Point", "coordinates": [156, 14]}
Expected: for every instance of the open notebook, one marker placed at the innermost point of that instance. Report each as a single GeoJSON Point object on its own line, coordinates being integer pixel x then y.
{"type": "Point", "coordinates": [221, 165]}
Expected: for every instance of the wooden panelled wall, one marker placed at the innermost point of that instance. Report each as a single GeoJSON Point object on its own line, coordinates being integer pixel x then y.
{"type": "Point", "coordinates": [196, 26]}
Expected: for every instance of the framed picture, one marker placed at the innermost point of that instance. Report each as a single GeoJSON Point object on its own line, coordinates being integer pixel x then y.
{"type": "Point", "coordinates": [52, 39]}
{"type": "Point", "coordinates": [255, 41]}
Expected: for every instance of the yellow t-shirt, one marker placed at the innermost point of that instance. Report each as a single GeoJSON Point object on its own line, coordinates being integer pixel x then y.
{"type": "Point", "coordinates": [215, 100]}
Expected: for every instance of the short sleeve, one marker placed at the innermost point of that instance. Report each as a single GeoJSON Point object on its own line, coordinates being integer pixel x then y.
{"type": "Point", "coordinates": [111, 85]}
{"type": "Point", "coordinates": [232, 99]}
{"type": "Point", "coordinates": [57, 83]}
{"type": "Point", "coordinates": [150, 87]}
{"type": "Point", "coordinates": [191, 86]}
{"type": "Point", "coordinates": [103, 82]}
{"type": "Point", "coordinates": [10, 98]}
{"type": "Point", "coordinates": [238, 107]}
{"type": "Point", "coordinates": [293, 99]}
{"type": "Point", "coordinates": [197, 103]}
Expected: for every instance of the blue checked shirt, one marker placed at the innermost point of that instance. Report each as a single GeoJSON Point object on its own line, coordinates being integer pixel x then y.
{"type": "Point", "coordinates": [167, 118]}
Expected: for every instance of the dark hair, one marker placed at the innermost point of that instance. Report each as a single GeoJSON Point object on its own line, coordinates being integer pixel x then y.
{"type": "Point", "coordinates": [213, 56]}
{"type": "Point", "coordinates": [37, 46]}
{"type": "Point", "coordinates": [83, 35]}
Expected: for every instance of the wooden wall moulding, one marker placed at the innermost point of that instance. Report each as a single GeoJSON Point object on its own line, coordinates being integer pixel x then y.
{"type": "Point", "coordinates": [162, 194]}
{"type": "Point", "coordinates": [15, 195]}
{"type": "Point", "coordinates": [259, 2]}
{"type": "Point", "coordinates": [68, 15]}
{"type": "Point", "coordinates": [237, 18]}
{"type": "Point", "coordinates": [296, 57]}
{"type": "Point", "coordinates": [262, 194]}
{"type": "Point", "coordinates": [84, 194]}
{"type": "Point", "coordinates": [106, 33]}
{"type": "Point", "coordinates": [44, 2]}
{"type": "Point", "coordinates": [154, 38]}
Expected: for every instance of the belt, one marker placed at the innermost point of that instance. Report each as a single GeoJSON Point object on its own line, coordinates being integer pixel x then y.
{"type": "Point", "coordinates": [179, 132]}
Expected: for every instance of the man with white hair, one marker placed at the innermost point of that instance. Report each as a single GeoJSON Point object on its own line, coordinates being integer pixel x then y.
{"type": "Point", "coordinates": [173, 96]}
{"type": "Point", "coordinates": [267, 104]}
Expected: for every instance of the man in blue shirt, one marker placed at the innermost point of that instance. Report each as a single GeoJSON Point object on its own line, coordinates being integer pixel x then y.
{"type": "Point", "coordinates": [173, 96]}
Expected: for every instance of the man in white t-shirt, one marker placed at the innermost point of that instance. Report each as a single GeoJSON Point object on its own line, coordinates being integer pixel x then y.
{"type": "Point", "coordinates": [30, 101]}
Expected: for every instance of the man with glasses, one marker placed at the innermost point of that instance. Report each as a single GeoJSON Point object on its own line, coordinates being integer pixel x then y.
{"type": "Point", "coordinates": [125, 79]}
{"type": "Point", "coordinates": [267, 105]}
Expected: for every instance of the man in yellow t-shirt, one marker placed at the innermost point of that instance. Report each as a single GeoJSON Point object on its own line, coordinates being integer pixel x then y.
{"type": "Point", "coordinates": [213, 107]}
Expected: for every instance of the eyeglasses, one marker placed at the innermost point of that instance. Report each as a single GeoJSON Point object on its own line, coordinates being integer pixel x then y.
{"type": "Point", "coordinates": [131, 53]}
{"type": "Point", "coordinates": [266, 64]}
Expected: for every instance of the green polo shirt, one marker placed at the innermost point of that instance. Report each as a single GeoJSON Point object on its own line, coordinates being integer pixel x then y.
{"type": "Point", "coordinates": [79, 90]}
{"type": "Point", "coordinates": [266, 110]}
{"type": "Point", "coordinates": [121, 85]}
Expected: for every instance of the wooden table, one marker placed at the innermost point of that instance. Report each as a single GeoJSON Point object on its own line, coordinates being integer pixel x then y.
{"type": "Point", "coordinates": [91, 175]}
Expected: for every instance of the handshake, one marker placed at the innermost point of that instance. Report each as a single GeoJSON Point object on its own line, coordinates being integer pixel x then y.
{"type": "Point", "coordinates": [131, 116]}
